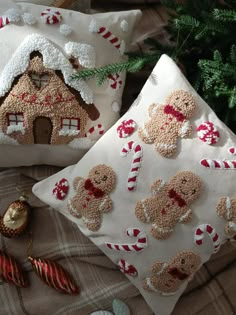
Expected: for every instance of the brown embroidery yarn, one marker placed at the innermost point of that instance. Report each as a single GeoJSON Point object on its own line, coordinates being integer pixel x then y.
{"type": "Point", "coordinates": [226, 209]}
{"type": "Point", "coordinates": [168, 277]}
{"type": "Point", "coordinates": [91, 199]}
{"type": "Point", "coordinates": [41, 108]}
{"type": "Point", "coordinates": [169, 204]}
{"type": "Point", "coordinates": [168, 122]}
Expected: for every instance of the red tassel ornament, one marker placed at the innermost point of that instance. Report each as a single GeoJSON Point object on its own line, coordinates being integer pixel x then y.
{"type": "Point", "coordinates": [10, 271]}
{"type": "Point", "coordinates": [54, 275]}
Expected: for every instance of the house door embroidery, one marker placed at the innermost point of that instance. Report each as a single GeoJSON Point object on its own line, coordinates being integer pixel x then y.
{"type": "Point", "coordinates": [42, 127]}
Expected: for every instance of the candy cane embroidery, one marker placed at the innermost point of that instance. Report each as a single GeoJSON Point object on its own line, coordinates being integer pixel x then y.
{"type": "Point", "coordinates": [139, 245]}
{"type": "Point", "coordinates": [106, 34]}
{"type": "Point", "coordinates": [207, 229]}
{"type": "Point", "coordinates": [4, 21]}
{"type": "Point", "coordinates": [136, 162]}
{"type": "Point", "coordinates": [127, 268]}
{"type": "Point", "coordinates": [98, 128]}
{"type": "Point", "coordinates": [219, 164]}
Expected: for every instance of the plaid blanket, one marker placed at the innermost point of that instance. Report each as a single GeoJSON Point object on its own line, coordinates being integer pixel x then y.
{"type": "Point", "coordinates": [212, 290]}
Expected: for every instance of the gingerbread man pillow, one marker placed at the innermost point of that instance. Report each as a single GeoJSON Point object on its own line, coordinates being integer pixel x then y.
{"type": "Point", "coordinates": [157, 192]}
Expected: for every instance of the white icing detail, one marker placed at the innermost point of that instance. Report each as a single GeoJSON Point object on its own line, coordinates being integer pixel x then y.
{"type": "Point", "coordinates": [29, 19]}
{"type": "Point", "coordinates": [103, 203]}
{"type": "Point", "coordinates": [232, 225]}
{"type": "Point", "coordinates": [81, 143]}
{"type": "Point", "coordinates": [90, 221]}
{"type": "Point", "coordinates": [160, 229]}
{"type": "Point", "coordinates": [52, 59]}
{"type": "Point", "coordinates": [84, 52]}
{"type": "Point", "coordinates": [154, 110]}
{"type": "Point", "coordinates": [74, 212]}
{"type": "Point", "coordinates": [166, 146]}
{"type": "Point", "coordinates": [164, 266]}
{"type": "Point", "coordinates": [124, 26]}
{"type": "Point", "coordinates": [122, 47]}
{"type": "Point", "coordinates": [150, 285]}
{"type": "Point", "coordinates": [185, 216]}
{"type": "Point", "coordinates": [4, 139]}
{"type": "Point", "coordinates": [185, 128]}
{"type": "Point", "coordinates": [65, 29]}
{"type": "Point", "coordinates": [68, 132]}
{"type": "Point", "coordinates": [16, 128]}
{"type": "Point", "coordinates": [146, 135]}
{"type": "Point", "coordinates": [162, 183]}
{"type": "Point", "coordinates": [228, 208]}
{"type": "Point", "coordinates": [115, 107]}
{"type": "Point", "coordinates": [145, 212]}
{"type": "Point", "coordinates": [13, 15]}
{"type": "Point", "coordinates": [93, 27]}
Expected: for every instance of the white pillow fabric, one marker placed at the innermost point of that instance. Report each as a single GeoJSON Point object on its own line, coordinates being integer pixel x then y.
{"type": "Point", "coordinates": [45, 117]}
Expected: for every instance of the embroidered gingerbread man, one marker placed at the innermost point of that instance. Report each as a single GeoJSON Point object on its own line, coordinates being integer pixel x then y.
{"type": "Point", "coordinates": [169, 122]}
{"type": "Point", "coordinates": [168, 277]}
{"type": "Point", "coordinates": [169, 203]}
{"type": "Point", "coordinates": [91, 199]}
{"type": "Point", "coordinates": [226, 209]}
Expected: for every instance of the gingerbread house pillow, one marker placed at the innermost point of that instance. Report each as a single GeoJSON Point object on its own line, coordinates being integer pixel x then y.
{"type": "Point", "coordinates": [157, 193]}
{"type": "Point", "coordinates": [46, 116]}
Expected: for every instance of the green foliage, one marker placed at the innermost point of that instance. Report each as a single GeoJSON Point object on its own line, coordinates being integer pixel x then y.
{"type": "Point", "coordinates": [202, 41]}
{"type": "Point", "coordinates": [133, 64]}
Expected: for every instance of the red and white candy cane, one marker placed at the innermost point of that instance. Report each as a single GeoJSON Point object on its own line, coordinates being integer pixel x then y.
{"type": "Point", "coordinates": [4, 20]}
{"type": "Point", "coordinates": [98, 128]}
{"type": "Point", "coordinates": [106, 34]}
{"type": "Point", "coordinates": [204, 229]}
{"type": "Point", "coordinates": [138, 246]}
{"type": "Point", "coordinates": [219, 164]}
{"type": "Point", "coordinates": [127, 268]}
{"type": "Point", "coordinates": [136, 162]}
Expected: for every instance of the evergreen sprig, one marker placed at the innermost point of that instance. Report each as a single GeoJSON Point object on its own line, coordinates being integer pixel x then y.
{"type": "Point", "coordinates": [133, 64]}
{"type": "Point", "coordinates": [219, 76]}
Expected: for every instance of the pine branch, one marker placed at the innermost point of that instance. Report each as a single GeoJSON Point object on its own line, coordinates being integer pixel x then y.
{"type": "Point", "coordinates": [131, 65]}
{"type": "Point", "coordinates": [225, 15]}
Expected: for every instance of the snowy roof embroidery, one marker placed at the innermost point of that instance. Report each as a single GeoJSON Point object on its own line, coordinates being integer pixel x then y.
{"type": "Point", "coordinates": [53, 59]}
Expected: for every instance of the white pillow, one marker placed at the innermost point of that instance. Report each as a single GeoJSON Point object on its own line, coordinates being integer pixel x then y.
{"type": "Point", "coordinates": [45, 117]}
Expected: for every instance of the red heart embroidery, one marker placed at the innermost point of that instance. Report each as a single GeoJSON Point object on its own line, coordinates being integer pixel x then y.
{"type": "Point", "coordinates": [61, 189]}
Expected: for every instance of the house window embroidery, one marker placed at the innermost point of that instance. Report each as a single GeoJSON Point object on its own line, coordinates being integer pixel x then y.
{"type": "Point", "coordinates": [39, 81]}
{"type": "Point", "coordinates": [15, 123]}
{"type": "Point", "coordinates": [70, 127]}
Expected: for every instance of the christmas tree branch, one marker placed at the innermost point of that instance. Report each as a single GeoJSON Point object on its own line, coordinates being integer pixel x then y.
{"type": "Point", "coordinates": [132, 65]}
{"type": "Point", "coordinates": [225, 15]}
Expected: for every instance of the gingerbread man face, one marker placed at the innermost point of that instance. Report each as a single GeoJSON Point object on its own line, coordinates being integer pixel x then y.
{"type": "Point", "coordinates": [168, 277]}
{"type": "Point", "coordinates": [102, 177]}
{"type": "Point", "coordinates": [187, 185]}
{"type": "Point", "coordinates": [183, 102]}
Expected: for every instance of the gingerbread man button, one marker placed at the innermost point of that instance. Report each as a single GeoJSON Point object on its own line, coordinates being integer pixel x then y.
{"type": "Point", "coordinates": [169, 122]}
{"type": "Point", "coordinates": [169, 204]}
{"type": "Point", "coordinates": [168, 277]}
{"type": "Point", "coordinates": [226, 209]}
{"type": "Point", "coordinates": [91, 198]}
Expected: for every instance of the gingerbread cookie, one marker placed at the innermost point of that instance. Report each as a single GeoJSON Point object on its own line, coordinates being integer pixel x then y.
{"type": "Point", "coordinates": [169, 122]}
{"type": "Point", "coordinates": [168, 277]}
{"type": "Point", "coordinates": [91, 199]}
{"type": "Point", "coordinates": [169, 203]}
{"type": "Point", "coordinates": [226, 209]}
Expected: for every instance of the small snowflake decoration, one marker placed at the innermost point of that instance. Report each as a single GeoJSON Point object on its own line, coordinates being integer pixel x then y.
{"type": "Point", "coordinates": [65, 30]}
{"type": "Point", "coordinates": [29, 19]}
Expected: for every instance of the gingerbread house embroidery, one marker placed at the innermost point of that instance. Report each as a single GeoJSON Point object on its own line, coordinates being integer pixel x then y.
{"type": "Point", "coordinates": [38, 101]}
